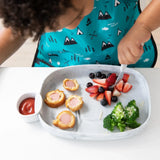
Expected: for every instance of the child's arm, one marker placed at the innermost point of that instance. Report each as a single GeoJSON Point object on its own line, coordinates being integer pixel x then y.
{"type": "Point", "coordinates": [130, 47]}
{"type": "Point", "coordinates": [8, 43]}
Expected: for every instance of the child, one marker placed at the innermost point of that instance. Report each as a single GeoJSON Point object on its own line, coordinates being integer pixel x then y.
{"type": "Point", "coordinates": [85, 31]}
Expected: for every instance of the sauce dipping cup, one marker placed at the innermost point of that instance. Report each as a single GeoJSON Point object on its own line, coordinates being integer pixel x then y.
{"type": "Point", "coordinates": [37, 107]}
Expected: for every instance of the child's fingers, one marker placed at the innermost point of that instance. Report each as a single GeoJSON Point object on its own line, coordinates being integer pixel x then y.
{"type": "Point", "coordinates": [141, 49]}
{"type": "Point", "coordinates": [121, 59]}
{"type": "Point", "coordinates": [128, 56]}
{"type": "Point", "coordinates": [124, 57]}
{"type": "Point", "coordinates": [136, 51]}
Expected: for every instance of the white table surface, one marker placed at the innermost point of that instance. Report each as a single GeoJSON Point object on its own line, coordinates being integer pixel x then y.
{"type": "Point", "coordinates": [23, 141]}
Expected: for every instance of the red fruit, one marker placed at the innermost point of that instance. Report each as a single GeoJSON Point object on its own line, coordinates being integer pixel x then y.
{"type": "Point", "coordinates": [111, 79]}
{"type": "Point", "coordinates": [125, 77]}
{"type": "Point", "coordinates": [116, 92]}
{"type": "Point", "coordinates": [119, 85]}
{"type": "Point", "coordinates": [127, 87]}
{"type": "Point", "coordinates": [100, 97]}
{"type": "Point", "coordinates": [92, 89]}
{"type": "Point", "coordinates": [93, 95]}
{"type": "Point", "coordinates": [104, 86]}
{"type": "Point", "coordinates": [100, 81]}
{"type": "Point", "coordinates": [108, 96]}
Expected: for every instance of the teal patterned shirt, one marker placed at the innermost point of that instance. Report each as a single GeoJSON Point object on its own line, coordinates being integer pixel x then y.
{"type": "Point", "coordinates": [95, 39]}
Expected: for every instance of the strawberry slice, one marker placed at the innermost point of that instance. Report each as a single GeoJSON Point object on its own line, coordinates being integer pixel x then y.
{"type": "Point", "coordinates": [104, 86]}
{"type": "Point", "coordinates": [116, 92]}
{"type": "Point", "coordinates": [100, 97]}
{"type": "Point", "coordinates": [125, 77]}
{"type": "Point", "coordinates": [100, 81]}
{"type": "Point", "coordinates": [127, 87]}
{"type": "Point", "coordinates": [108, 96]}
{"type": "Point", "coordinates": [119, 85]}
{"type": "Point", "coordinates": [111, 79]}
{"type": "Point", "coordinates": [93, 95]}
{"type": "Point", "coordinates": [92, 89]}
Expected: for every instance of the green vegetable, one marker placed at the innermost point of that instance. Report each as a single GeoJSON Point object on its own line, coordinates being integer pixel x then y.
{"type": "Point", "coordinates": [121, 126]}
{"type": "Point", "coordinates": [131, 111]}
{"type": "Point", "coordinates": [109, 123]}
{"type": "Point", "coordinates": [122, 117]}
{"type": "Point", "coordinates": [118, 113]}
{"type": "Point", "coordinates": [133, 124]}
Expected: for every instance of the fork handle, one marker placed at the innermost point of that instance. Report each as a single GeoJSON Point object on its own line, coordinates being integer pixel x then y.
{"type": "Point", "coordinates": [123, 66]}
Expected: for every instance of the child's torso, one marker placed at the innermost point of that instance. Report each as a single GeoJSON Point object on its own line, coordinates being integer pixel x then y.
{"type": "Point", "coordinates": [94, 40]}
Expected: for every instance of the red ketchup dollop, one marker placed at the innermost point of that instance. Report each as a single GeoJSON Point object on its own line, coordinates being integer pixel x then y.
{"type": "Point", "coordinates": [27, 106]}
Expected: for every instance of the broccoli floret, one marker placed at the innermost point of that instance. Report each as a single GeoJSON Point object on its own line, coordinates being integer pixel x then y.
{"type": "Point", "coordinates": [122, 117]}
{"type": "Point", "coordinates": [109, 123]}
{"type": "Point", "coordinates": [131, 112]}
{"type": "Point", "coordinates": [118, 114]}
{"type": "Point", "coordinates": [133, 124]}
{"type": "Point", "coordinates": [121, 126]}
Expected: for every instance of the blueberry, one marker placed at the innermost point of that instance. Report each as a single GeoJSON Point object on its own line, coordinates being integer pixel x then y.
{"type": "Point", "coordinates": [110, 88]}
{"type": "Point", "coordinates": [92, 75]}
{"type": "Point", "coordinates": [101, 90]}
{"type": "Point", "coordinates": [89, 84]}
{"type": "Point", "coordinates": [114, 98]}
{"type": "Point", "coordinates": [103, 76]}
{"type": "Point", "coordinates": [104, 102]}
{"type": "Point", "coordinates": [98, 74]}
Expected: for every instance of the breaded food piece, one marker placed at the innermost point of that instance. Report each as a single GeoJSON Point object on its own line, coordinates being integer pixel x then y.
{"type": "Point", "coordinates": [70, 84]}
{"type": "Point", "coordinates": [65, 120]}
{"type": "Point", "coordinates": [55, 98]}
{"type": "Point", "coordinates": [74, 103]}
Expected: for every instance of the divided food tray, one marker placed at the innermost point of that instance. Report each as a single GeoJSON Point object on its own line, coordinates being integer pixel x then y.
{"type": "Point", "coordinates": [89, 120]}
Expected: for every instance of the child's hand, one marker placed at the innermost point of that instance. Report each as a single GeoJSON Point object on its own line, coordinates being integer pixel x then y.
{"type": "Point", "coordinates": [130, 47]}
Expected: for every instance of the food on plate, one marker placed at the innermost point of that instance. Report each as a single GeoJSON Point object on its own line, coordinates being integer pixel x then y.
{"type": "Point", "coordinates": [55, 98]}
{"type": "Point", "coordinates": [65, 120]}
{"type": "Point", "coordinates": [103, 89]}
{"type": "Point", "coordinates": [26, 107]}
{"type": "Point", "coordinates": [132, 113]}
{"type": "Point", "coordinates": [70, 84]}
{"type": "Point", "coordinates": [104, 102]}
{"type": "Point", "coordinates": [109, 123]}
{"type": "Point", "coordinates": [108, 95]}
{"type": "Point", "coordinates": [125, 77]}
{"type": "Point", "coordinates": [116, 92]}
{"type": "Point", "coordinates": [91, 75]}
{"type": "Point", "coordinates": [119, 85]}
{"type": "Point", "coordinates": [92, 89]}
{"type": "Point", "coordinates": [74, 103]}
{"type": "Point", "coordinates": [89, 84]}
{"type": "Point", "coordinates": [127, 87]}
{"type": "Point", "coordinates": [100, 97]}
{"type": "Point", "coordinates": [114, 98]}
{"type": "Point", "coordinates": [97, 75]}
{"type": "Point", "coordinates": [94, 95]}
{"type": "Point", "coordinates": [122, 117]}
{"type": "Point", "coordinates": [111, 79]}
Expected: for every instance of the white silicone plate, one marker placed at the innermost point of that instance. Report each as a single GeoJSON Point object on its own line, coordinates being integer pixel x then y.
{"type": "Point", "coordinates": [89, 120]}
